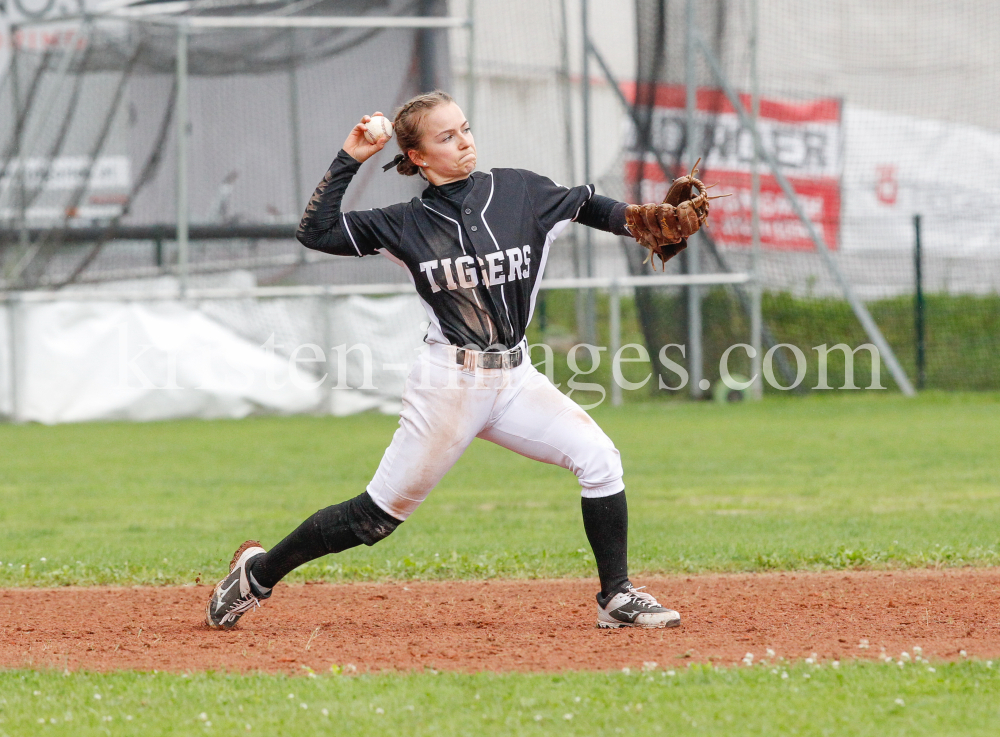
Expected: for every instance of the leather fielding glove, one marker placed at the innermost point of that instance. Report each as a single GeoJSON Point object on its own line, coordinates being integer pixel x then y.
{"type": "Point", "coordinates": [665, 228]}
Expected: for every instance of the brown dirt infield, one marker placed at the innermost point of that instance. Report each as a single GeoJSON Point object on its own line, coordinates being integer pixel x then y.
{"type": "Point", "coordinates": [505, 625]}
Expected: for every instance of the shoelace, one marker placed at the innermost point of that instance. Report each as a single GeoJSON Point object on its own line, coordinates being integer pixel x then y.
{"type": "Point", "coordinates": [241, 605]}
{"type": "Point", "coordinates": [643, 597]}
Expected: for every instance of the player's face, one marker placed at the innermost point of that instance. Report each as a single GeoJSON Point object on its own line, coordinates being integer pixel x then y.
{"type": "Point", "coordinates": [446, 146]}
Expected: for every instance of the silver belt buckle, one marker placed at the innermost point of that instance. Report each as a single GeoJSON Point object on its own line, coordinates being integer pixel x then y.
{"type": "Point", "coordinates": [471, 359]}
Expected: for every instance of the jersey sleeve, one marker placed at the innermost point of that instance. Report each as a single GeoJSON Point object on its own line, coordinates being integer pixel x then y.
{"type": "Point", "coordinates": [551, 202]}
{"type": "Point", "coordinates": [325, 228]}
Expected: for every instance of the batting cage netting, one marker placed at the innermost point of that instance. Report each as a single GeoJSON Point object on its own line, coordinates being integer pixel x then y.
{"type": "Point", "coordinates": [883, 118]}
{"type": "Point", "coordinates": [878, 157]}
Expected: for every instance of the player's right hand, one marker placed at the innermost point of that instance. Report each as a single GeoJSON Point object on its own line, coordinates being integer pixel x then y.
{"type": "Point", "coordinates": [357, 145]}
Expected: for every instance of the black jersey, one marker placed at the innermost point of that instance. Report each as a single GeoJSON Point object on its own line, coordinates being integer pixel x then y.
{"type": "Point", "coordinates": [475, 250]}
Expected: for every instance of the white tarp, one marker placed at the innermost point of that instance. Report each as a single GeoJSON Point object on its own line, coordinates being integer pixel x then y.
{"type": "Point", "coordinates": [155, 360]}
{"type": "Point", "coordinates": [898, 166]}
{"type": "Point", "coordinates": [145, 361]}
{"type": "Point", "coordinates": [393, 330]}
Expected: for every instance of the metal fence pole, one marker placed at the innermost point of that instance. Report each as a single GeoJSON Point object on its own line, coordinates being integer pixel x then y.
{"type": "Point", "coordinates": [13, 357]}
{"type": "Point", "coordinates": [14, 70]}
{"type": "Point", "coordinates": [589, 323]}
{"type": "Point", "coordinates": [918, 304]}
{"type": "Point", "coordinates": [615, 299]}
{"type": "Point", "coordinates": [326, 304]}
{"type": "Point", "coordinates": [183, 213]}
{"type": "Point", "coordinates": [695, 357]}
{"type": "Point", "coordinates": [299, 195]}
{"type": "Point", "coordinates": [756, 307]}
{"type": "Point", "coordinates": [470, 103]}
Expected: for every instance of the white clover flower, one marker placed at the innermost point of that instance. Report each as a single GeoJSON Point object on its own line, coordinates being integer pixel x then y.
{"type": "Point", "coordinates": [784, 675]}
{"type": "Point", "coordinates": [835, 664]}
{"type": "Point", "coordinates": [538, 717]}
{"type": "Point", "coordinates": [863, 645]}
{"type": "Point", "coordinates": [904, 656]}
{"type": "Point", "coordinates": [627, 671]}
{"type": "Point", "coordinates": [917, 650]}
{"type": "Point", "coordinates": [306, 706]}
{"type": "Point", "coordinates": [325, 712]}
{"type": "Point", "coordinates": [770, 653]}
{"type": "Point", "coordinates": [648, 665]}
{"type": "Point", "coordinates": [291, 696]}
{"type": "Point", "coordinates": [567, 716]}
{"type": "Point", "coordinates": [203, 716]}
{"type": "Point", "coordinates": [380, 710]}
{"type": "Point", "coordinates": [671, 673]}
{"type": "Point", "coordinates": [963, 653]}
{"type": "Point", "coordinates": [900, 702]}
{"type": "Point", "coordinates": [930, 669]}
{"type": "Point", "coordinates": [97, 696]}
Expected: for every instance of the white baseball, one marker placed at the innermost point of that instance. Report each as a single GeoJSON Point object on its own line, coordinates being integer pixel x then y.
{"type": "Point", "coordinates": [378, 127]}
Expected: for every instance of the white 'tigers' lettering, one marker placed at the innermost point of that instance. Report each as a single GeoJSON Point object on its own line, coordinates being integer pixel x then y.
{"type": "Point", "coordinates": [428, 268]}
{"type": "Point", "coordinates": [499, 267]}
{"type": "Point", "coordinates": [468, 277]}
{"type": "Point", "coordinates": [495, 269]}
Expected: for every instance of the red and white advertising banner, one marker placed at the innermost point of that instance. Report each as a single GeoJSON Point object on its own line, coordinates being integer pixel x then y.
{"type": "Point", "coordinates": [805, 138]}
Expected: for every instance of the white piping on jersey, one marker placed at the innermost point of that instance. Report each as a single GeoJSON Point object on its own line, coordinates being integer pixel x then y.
{"type": "Point", "coordinates": [434, 333]}
{"type": "Point", "coordinates": [475, 293]}
{"type": "Point", "coordinates": [549, 238]}
{"type": "Point", "coordinates": [349, 234]}
{"type": "Point", "coordinates": [591, 188]}
{"type": "Point", "coordinates": [490, 231]}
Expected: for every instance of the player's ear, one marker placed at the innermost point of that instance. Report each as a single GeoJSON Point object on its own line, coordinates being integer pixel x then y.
{"type": "Point", "coordinates": [414, 156]}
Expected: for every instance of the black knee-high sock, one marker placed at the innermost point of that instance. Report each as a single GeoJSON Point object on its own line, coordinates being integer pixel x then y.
{"type": "Point", "coordinates": [331, 530]}
{"type": "Point", "coordinates": [605, 520]}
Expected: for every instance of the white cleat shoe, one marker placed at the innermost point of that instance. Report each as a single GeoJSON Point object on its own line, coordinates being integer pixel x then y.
{"type": "Point", "coordinates": [233, 597]}
{"type": "Point", "coordinates": [634, 608]}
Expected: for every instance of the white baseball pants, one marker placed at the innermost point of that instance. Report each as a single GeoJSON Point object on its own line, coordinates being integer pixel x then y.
{"type": "Point", "coordinates": [446, 405]}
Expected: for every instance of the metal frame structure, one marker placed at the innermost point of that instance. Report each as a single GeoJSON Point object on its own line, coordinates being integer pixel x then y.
{"type": "Point", "coordinates": [615, 285]}
{"type": "Point", "coordinates": [860, 311]}
{"type": "Point", "coordinates": [161, 14]}
{"type": "Point", "coordinates": [749, 121]}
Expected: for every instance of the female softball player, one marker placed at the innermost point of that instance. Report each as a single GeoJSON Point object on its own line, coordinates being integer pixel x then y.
{"type": "Point", "coordinates": [475, 245]}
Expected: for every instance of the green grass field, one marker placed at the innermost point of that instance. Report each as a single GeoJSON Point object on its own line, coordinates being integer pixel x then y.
{"type": "Point", "coordinates": [766, 699]}
{"type": "Point", "coordinates": [866, 480]}
{"type": "Point", "coordinates": [817, 482]}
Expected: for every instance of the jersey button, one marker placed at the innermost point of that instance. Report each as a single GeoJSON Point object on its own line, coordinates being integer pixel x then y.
{"type": "Point", "coordinates": [468, 211]}
{"type": "Point", "coordinates": [474, 229]}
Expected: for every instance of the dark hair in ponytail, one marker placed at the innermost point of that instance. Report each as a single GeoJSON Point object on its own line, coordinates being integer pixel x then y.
{"type": "Point", "coordinates": [407, 127]}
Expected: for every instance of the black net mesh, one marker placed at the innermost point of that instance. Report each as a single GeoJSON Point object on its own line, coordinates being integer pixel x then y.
{"type": "Point", "coordinates": [875, 115]}
{"type": "Point", "coordinates": [89, 142]}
